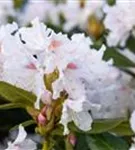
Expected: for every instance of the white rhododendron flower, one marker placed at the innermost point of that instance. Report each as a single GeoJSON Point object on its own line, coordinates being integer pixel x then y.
{"type": "Point", "coordinates": [119, 21]}
{"type": "Point", "coordinates": [21, 142]}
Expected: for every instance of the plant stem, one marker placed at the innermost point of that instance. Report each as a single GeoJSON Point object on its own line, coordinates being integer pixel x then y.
{"type": "Point", "coordinates": [68, 146]}
{"type": "Point", "coordinates": [45, 146]}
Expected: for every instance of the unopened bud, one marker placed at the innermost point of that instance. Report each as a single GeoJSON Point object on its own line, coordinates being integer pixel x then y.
{"type": "Point", "coordinates": [47, 112]}
{"type": "Point", "coordinates": [72, 139]}
{"type": "Point", "coordinates": [41, 119]}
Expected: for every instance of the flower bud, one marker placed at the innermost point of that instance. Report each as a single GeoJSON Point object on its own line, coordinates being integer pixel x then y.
{"type": "Point", "coordinates": [41, 119]}
{"type": "Point", "coordinates": [72, 139]}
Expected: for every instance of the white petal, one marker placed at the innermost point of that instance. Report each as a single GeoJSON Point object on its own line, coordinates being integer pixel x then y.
{"type": "Point", "coordinates": [83, 120]}
{"type": "Point", "coordinates": [132, 121]}
{"type": "Point", "coordinates": [21, 135]}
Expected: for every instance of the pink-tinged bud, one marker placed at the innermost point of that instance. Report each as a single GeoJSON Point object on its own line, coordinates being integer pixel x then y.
{"type": "Point", "coordinates": [54, 44]}
{"type": "Point", "coordinates": [72, 139]}
{"type": "Point", "coordinates": [41, 119]}
{"type": "Point", "coordinates": [72, 66]}
{"type": "Point", "coordinates": [31, 66]}
{"type": "Point", "coordinates": [46, 97]}
{"type": "Point", "coordinates": [43, 111]}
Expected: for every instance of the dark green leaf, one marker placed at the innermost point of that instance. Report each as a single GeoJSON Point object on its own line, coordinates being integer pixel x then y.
{"type": "Point", "coordinates": [131, 44]}
{"type": "Point", "coordinates": [16, 95]}
{"type": "Point", "coordinates": [123, 129]}
{"type": "Point", "coordinates": [119, 59]}
{"type": "Point", "coordinates": [81, 142]}
{"type": "Point", "coordinates": [106, 142]}
{"type": "Point", "coordinates": [10, 106]}
{"type": "Point", "coordinates": [99, 126]}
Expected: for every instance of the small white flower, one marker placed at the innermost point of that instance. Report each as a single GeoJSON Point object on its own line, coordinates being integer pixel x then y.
{"type": "Point", "coordinates": [117, 21]}
{"type": "Point", "coordinates": [21, 142]}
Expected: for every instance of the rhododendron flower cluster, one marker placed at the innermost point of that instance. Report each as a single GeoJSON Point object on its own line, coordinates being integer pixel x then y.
{"type": "Point", "coordinates": [31, 54]}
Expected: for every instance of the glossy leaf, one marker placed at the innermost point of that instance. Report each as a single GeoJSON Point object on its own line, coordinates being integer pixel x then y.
{"type": "Point", "coordinates": [99, 126]}
{"type": "Point", "coordinates": [106, 142]}
{"type": "Point", "coordinates": [123, 129]}
{"type": "Point", "coordinates": [10, 106]}
{"type": "Point", "coordinates": [16, 95]}
{"type": "Point", "coordinates": [119, 59]}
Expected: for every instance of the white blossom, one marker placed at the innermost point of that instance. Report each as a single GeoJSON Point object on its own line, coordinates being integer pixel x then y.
{"type": "Point", "coordinates": [21, 142]}
{"type": "Point", "coordinates": [95, 89]}
{"type": "Point", "coordinates": [19, 67]}
{"type": "Point", "coordinates": [94, 86]}
{"type": "Point", "coordinates": [119, 21]}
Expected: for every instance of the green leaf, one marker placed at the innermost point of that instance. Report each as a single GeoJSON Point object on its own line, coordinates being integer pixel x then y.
{"type": "Point", "coordinates": [131, 44]}
{"type": "Point", "coordinates": [16, 95]}
{"type": "Point", "coordinates": [10, 106]}
{"type": "Point", "coordinates": [119, 59]}
{"type": "Point", "coordinates": [81, 144]}
{"type": "Point", "coordinates": [123, 129]}
{"type": "Point", "coordinates": [99, 126]}
{"type": "Point", "coordinates": [106, 142]}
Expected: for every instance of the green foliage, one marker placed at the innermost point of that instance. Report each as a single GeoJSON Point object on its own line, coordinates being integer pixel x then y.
{"type": "Point", "coordinates": [119, 59]}
{"type": "Point", "coordinates": [106, 142]}
{"type": "Point", "coordinates": [131, 43]}
{"type": "Point", "coordinates": [123, 129]}
{"type": "Point", "coordinates": [99, 126]}
{"type": "Point", "coordinates": [16, 95]}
